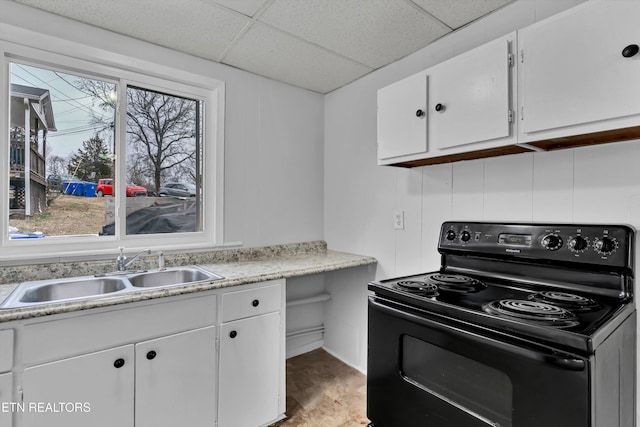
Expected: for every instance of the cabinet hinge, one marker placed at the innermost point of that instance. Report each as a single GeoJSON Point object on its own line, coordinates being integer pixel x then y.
{"type": "Point", "coordinates": [510, 115]}
{"type": "Point", "coordinates": [521, 56]}
{"type": "Point", "coordinates": [521, 113]}
{"type": "Point", "coordinates": [21, 394]}
{"type": "Point", "coordinates": [217, 344]}
{"type": "Point", "coordinates": [510, 59]}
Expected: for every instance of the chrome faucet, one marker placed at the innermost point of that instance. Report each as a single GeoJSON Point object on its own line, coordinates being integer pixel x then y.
{"type": "Point", "coordinates": [121, 262]}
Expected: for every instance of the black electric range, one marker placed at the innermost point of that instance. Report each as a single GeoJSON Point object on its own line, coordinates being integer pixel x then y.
{"type": "Point", "coordinates": [541, 311]}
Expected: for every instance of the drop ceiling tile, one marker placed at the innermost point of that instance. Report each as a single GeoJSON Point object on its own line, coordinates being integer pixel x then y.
{"type": "Point", "coordinates": [246, 7]}
{"type": "Point", "coordinates": [372, 32]}
{"type": "Point", "coordinates": [456, 13]}
{"type": "Point", "coordinates": [195, 27]}
{"type": "Point", "coordinates": [269, 52]}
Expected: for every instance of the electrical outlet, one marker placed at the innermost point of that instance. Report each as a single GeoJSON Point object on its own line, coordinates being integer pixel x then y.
{"type": "Point", "coordinates": [398, 220]}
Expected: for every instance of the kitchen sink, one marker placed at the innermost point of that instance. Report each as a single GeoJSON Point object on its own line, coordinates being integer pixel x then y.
{"type": "Point", "coordinates": [172, 276]}
{"type": "Point", "coordinates": [62, 290]}
{"type": "Point", "coordinates": [49, 291]}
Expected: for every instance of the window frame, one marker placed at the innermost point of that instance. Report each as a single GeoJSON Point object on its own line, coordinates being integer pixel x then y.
{"type": "Point", "coordinates": [123, 71]}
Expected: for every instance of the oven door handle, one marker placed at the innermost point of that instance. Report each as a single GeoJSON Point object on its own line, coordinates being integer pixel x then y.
{"type": "Point", "coordinates": [561, 360]}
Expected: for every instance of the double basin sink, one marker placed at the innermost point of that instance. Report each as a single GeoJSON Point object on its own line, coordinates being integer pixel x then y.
{"type": "Point", "coordinates": [62, 290]}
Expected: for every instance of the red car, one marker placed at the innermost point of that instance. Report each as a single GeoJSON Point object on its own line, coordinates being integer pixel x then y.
{"type": "Point", "coordinates": [105, 188]}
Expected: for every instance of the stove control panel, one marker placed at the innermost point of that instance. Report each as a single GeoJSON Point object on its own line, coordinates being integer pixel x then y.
{"type": "Point", "coordinates": [589, 243]}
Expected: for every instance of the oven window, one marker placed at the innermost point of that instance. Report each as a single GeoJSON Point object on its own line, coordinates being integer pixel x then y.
{"type": "Point", "coordinates": [471, 386]}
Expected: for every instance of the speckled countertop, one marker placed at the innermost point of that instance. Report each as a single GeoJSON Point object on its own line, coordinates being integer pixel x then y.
{"type": "Point", "coordinates": [237, 266]}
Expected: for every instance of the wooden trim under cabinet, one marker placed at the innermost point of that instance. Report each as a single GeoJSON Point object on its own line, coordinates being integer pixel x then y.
{"type": "Point", "coordinates": [471, 155]}
{"type": "Point", "coordinates": [608, 136]}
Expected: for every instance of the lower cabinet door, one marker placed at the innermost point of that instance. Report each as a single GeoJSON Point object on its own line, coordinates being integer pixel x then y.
{"type": "Point", "coordinates": [250, 362]}
{"type": "Point", "coordinates": [6, 400]}
{"type": "Point", "coordinates": [176, 380]}
{"type": "Point", "coordinates": [94, 390]}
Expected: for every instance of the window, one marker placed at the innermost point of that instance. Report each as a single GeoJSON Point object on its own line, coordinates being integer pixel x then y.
{"type": "Point", "coordinates": [107, 156]}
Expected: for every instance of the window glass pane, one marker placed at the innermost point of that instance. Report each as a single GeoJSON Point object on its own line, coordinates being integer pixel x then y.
{"type": "Point", "coordinates": [163, 152]}
{"type": "Point", "coordinates": [61, 144]}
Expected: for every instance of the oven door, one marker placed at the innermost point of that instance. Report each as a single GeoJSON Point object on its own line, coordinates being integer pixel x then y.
{"type": "Point", "coordinates": [425, 371]}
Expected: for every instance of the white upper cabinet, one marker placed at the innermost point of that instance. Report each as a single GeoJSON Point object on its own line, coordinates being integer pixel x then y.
{"type": "Point", "coordinates": [578, 71]}
{"type": "Point", "coordinates": [462, 105]}
{"type": "Point", "coordinates": [471, 101]}
{"type": "Point", "coordinates": [572, 79]}
{"type": "Point", "coordinates": [402, 118]}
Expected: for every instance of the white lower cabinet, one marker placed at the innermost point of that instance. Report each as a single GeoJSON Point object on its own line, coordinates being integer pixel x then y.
{"type": "Point", "coordinates": [164, 382]}
{"type": "Point", "coordinates": [176, 381]}
{"type": "Point", "coordinates": [249, 371]}
{"type": "Point", "coordinates": [6, 399]}
{"type": "Point", "coordinates": [182, 361]}
{"type": "Point", "coordinates": [252, 356]}
{"type": "Point", "coordinates": [95, 390]}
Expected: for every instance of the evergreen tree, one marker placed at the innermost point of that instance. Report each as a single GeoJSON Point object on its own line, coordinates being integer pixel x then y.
{"type": "Point", "coordinates": [91, 162]}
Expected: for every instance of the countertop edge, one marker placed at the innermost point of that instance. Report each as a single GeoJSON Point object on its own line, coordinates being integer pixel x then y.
{"type": "Point", "coordinates": [262, 270]}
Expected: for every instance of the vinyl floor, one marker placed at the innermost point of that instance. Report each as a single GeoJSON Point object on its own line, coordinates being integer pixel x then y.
{"type": "Point", "coordinates": [324, 392]}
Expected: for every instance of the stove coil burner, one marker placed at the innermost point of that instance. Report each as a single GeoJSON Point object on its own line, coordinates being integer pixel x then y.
{"type": "Point", "coordinates": [569, 301]}
{"type": "Point", "coordinates": [455, 283]}
{"type": "Point", "coordinates": [536, 312]}
{"type": "Point", "coordinates": [418, 287]}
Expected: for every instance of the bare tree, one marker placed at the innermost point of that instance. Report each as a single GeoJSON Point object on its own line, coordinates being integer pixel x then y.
{"type": "Point", "coordinates": [57, 165]}
{"type": "Point", "coordinates": [104, 96]}
{"type": "Point", "coordinates": [161, 132]}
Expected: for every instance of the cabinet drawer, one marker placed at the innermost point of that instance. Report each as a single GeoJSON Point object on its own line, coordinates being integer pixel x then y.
{"type": "Point", "coordinates": [6, 350]}
{"type": "Point", "coordinates": [251, 302]}
{"type": "Point", "coordinates": [53, 340]}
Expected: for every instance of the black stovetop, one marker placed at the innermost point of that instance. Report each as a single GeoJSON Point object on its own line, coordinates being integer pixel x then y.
{"type": "Point", "coordinates": [558, 316]}
{"type": "Point", "coordinates": [507, 266]}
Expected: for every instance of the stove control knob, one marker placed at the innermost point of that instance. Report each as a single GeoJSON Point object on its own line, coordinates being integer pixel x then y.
{"type": "Point", "coordinates": [605, 245]}
{"type": "Point", "coordinates": [578, 244]}
{"type": "Point", "coordinates": [451, 235]}
{"type": "Point", "coordinates": [465, 236]}
{"type": "Point", "coordinates": [551, 242]}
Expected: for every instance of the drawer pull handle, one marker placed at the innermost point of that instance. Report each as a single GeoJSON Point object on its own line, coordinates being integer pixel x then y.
{"type": "Point", "coordinates": [151, 355]}
{"type": "Point", "coordinates": [440, 107]}
{"type": "Point", "coordinates": [255, 303]}
{"type": "Point", "coordinates": [233, 334]}
{"type": "Point", "coordinates": [419, 113]}
{"type": "Point", "coordinates": [119, 363]}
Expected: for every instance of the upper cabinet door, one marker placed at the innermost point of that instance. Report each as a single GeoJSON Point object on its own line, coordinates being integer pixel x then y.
{"type": "Point", "coordinates": [470, 97]}
{"type": "Point", "coordinates": [402, 122]}
{"type": "Point", "coordinates": [573, 70]}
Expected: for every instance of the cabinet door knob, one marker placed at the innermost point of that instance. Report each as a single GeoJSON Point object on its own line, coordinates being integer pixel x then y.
{"type": "Point", "coordinates": [419, 113]}
{"type": "Point", "coordinates": [255, 302]}
{"type": "Point", "coordinates": [233, 334]}
{"type": "Point", "coordinates": [151, 355]}
{"type": "Point", "coordinates": [440, 107]}
{"type": "Point", "coordinates": [631, 50]}
{"type": "Point", "coordinates": [119, 363]}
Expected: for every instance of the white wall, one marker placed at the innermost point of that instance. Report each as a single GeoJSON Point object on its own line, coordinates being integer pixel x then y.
{"type": "Point", "coordinates": [592, 184]}
{"type": "Point", "coordinates": [273, 134]}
